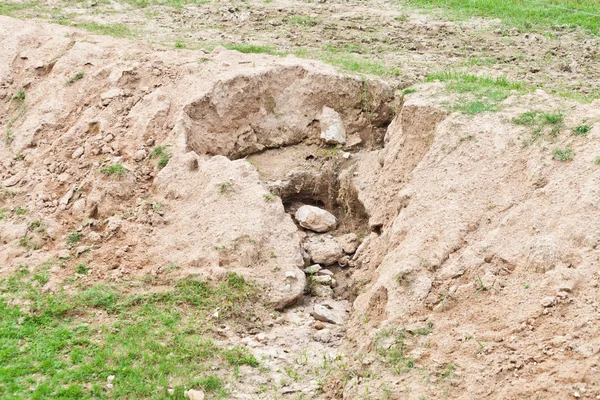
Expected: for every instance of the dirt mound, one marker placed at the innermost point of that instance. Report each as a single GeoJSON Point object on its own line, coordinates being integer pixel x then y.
{"type": "Point", "coordinates": [468, 245]}
{"type": "Point", "coordinates": [488, 248]}
{"type": "Point", "coordinates": [119, 113]}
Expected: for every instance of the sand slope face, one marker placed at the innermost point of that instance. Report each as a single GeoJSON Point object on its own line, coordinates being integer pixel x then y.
{"type": "Point", "coordinates": [488, 249]}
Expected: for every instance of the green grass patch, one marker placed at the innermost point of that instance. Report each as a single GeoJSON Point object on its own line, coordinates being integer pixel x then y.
{"type": "Point", "coordinates": [479, 61]}
{"type": "Point", "coordinates": [541, 125]}
{"type": "Point", "coordinates": [574, 94]}
{"type": "Point", "coordinates": [66, 345]}
{"type": "Point", "coordinates": [528, 118]}
{"type": "Point", "coordinates": [19, 95]}
{"type": "Point", "coordinates": [82, 269]}
{"type": "Point", "coordinates": [115, 30]}
{"type": "Point", "coordinates": [117, 170]}
{"type": "Point", "coordinates": [160, 152]}
{"type": "Point", "coordinates": [476, 107]}
{"type": "Point", "coordinates": [75, 78]}
{"type": "Point", "coordinates": [348, 60]}
{"type": "Point", "coordinates": [524, 14]}
{"type": "Point", "coordinates": [553, 118]}
{"type": "Point", "coordinates": [74, 237]}
{"type": "Point", "coordinates": [166, 3]}
{"type": "Point", "coordinates": [566, 154]}
{"type": "Point", "coordinates": [477, 93]}
{"type": "Point", "coordinates": [582, 130]}
{"type": "Point", "coordinates": [248, 48]}
{"type": "Point", "coordinates": [393, 346]}
{"type": "Point", "coordinates": [29, 243]}
{"type": "Point", "coordinates": [238, 356]}
{"type": "Point", "coordinates": [10, 9]}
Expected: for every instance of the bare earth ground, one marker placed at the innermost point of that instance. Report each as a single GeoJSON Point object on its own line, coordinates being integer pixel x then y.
{"type": "Point", "coordinates": [379, 37]}
{"type": "Point", "coordinates": [475, 201]}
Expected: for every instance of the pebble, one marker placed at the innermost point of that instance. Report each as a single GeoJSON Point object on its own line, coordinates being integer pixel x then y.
{"type": "Point", "coordinates": [78, 152]}
{"type": "Point", "coordinates": [322, 279]}
{"type": "Point", "coordinates": [325, 272]}
{"type": "Point", "coordinates": [140, 155]}
{"type": "Point", "coordinates": [326, 314]}
{"type": "Point", "coordinates": [82, 249]}
{"type": "Point", "coordinates": [67, 197]}
{"type": "Point", "coordinates": [318, 325]}
{"type": "Point", "coordinates": [63, 254]}
{"type": "Point", "coordinates": [548, 301]}
{"type": "Point", "coordinates": [313, 269]}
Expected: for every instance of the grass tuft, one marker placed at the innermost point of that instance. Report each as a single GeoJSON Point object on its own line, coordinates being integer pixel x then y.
{"type": "Point", "coordinates": [566, 154]}
{"type": "Point", "coordinates": [75, 78]}
{"type": "Point", "coordinates": [117, 170]}
{"type": "Point", "coordinates": [163, 156]}
{"type": "Point", "coordinates": [582, 130]}
{"type": "Point", "coordinates": [74, 237]}
{"type": "Point", "coordinates": [19, 95]}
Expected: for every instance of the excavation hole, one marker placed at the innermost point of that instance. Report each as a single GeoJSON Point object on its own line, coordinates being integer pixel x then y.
{"type": "Point", "coordinates": [377, 229]}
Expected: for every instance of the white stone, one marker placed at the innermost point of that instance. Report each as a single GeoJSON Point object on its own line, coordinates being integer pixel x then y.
{"type": "Point", "coordinates": [323, 279]}
{"type": "Point", "coordinates": [13, 180]}
{"type": "Point", "coordinates": [313, 269]}
{"type": "Point", "coordinates": [349, 242]}
{"type": "Point", "coordinates": [319, 290]}
{"type": "Point", "coordinates": [548, 301]}
{"type": "Point", "coordinates": [139, 155]}
{"type": "Point", "coordinates": [78, 152]}
{"type": "Point", "coordinates": [332, 127]}
{"type": "Point", "coordinates": [63, 254]}
{"type": "Point", "coordinates": [82, 249]}
{"type": "Point", "coordinates": [78, 207]}
{"type": "Point", "coordinates": [325, 272]}
{"type": "Point", "coordinates": [324, 250]}
{"type": "Point", "coordinates": [324, 313]}
{"type": "Point", "coordinates": [315, 219]}
{"type": "Point", "coordinates": [67, 197]}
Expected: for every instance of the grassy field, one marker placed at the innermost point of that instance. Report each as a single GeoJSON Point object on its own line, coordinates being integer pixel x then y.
{"type": "Point", "coordinates": [526, 14]}
{"type": "Point", "coordinates": [154, 345]}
